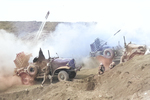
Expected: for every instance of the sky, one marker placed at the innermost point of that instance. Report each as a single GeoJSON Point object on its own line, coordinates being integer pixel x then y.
{"type": "Point", "coordinates": [104, 11]}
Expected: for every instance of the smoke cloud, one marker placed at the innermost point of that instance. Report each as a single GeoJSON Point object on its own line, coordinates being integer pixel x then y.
{"type": "Point", "coordinates": [9, 81]}
{"type": "Point", "coordinates": [10, 45]}
{"type": "Point", "coordinates": [74, 39]}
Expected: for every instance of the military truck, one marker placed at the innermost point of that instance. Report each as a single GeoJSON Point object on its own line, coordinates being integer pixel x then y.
{"type": "Point", "coordinates": [64, 68]}
{"type": "Point", "coordinates": [99, 47]}
{"type": "Point", "coordinates": [132, 50]}
{"type": "Point", "coordinates": [106, 56]}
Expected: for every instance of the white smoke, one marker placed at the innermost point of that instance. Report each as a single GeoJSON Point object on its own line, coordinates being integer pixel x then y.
{"type": "Point", "coordinates": [74, 39]}
{"type": "Point", "coordinates": [9, 46]}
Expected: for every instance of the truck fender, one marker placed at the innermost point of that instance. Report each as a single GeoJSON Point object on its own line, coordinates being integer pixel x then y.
{"type": "Point", "coordinates": [62, 67]}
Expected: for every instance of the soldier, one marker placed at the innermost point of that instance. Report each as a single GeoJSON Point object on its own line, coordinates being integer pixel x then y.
{"type": "Point", "coordinates": [46, 70]}
{"type": "Point", "coordinates": [101, 69]}
{"type": "Point", "coordinates": [112, 65]}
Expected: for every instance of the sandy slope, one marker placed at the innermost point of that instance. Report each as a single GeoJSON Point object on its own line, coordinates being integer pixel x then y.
{"type": "Point", "coordinates": [127, 81]}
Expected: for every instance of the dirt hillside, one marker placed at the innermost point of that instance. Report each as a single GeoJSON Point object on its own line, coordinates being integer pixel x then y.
{"type": "Point", "coordinates": [126, 81]}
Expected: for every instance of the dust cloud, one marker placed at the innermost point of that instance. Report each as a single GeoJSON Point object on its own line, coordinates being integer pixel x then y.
{"type": "Point", "coordinates": [9, 81]}
{"type": "Point", "coordinates": [10, 45]}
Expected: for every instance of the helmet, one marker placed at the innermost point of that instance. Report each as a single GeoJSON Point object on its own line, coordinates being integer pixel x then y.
{"type": "Point", "coordinates": [101, 64]}
{"type": "Point", "coordinates": [113, 63]}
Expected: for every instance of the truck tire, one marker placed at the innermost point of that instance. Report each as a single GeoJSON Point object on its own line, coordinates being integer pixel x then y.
{"type": "Point", "coordinates": [72, 74]}
{"type": "Point", "coordinates": [32, 70]}
{"type": "Point", "coordinates": [108, 53]}
{"type": "Point", "coordinates": [63, 76]}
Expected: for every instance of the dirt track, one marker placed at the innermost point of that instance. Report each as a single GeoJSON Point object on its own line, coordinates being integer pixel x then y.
{"type": "Point", "coordinates": [127, 81]}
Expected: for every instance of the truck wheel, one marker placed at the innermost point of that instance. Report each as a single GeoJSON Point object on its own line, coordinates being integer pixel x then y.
{"type": "Point", "coordinates": [32, 70]}
{"type": "Point", "coordinates": [72, 75]}
{"type": "Point", "coordinates": [63, 76]}
{"type": "Point", "coordinates": [26, 79]}
{"type": "Point", "coordinates": [108, 53]}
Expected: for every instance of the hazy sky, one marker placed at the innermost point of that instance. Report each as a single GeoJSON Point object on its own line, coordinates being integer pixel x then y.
{"type": "Point", "coordinates": [105, 11]}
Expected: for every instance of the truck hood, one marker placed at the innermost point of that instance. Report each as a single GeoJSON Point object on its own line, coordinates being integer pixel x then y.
{"type": "Point", "coordinates": [62, 62]}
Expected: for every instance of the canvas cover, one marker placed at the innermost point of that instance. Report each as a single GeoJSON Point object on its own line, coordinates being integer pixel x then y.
{"type": "Point", "coordinates": [22, 60]}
